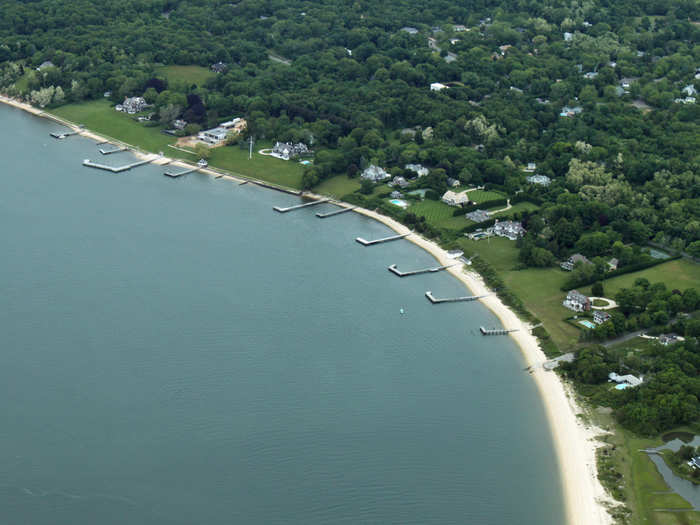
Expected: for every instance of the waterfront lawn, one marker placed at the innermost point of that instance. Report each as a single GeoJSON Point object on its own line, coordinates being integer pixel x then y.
{"type": "Point", "coordinates": [338, 186]}
{"type": "Point", "coordinates": [677, 274]}
{"type": "Point", "coordinates": [235, 160]}
{"type": "Point", "coordinates": [187, 74]}
{"type": "Point", "coordinates": [499, 252]}
{"type": "Point", "coordinates": [99, 116]}
{"type": "Point", "coordinates": [439, 214]}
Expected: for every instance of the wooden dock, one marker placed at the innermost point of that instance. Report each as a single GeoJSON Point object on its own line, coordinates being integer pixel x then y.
{"type": "Point", "coordinates": [465, 298]}
{"type": "Point", "coordinates": [63, 135]}
{"type": "Point", "coordinates": [393, 269]}
{"type": "Point", "coordinates": [113, 169]}
{"type": "Point", "coordinates": [496, 331]}
{"type": "Point", "coordinates": [336, 212]}
{"type": "Point", "coordinates": [299, 206]}
{"type": "Point", "coordinates": [365, 242]}
{"type": "Point", "coordinates": [175, 175]}
{"type": "Point", "coordinates": [111, 151]}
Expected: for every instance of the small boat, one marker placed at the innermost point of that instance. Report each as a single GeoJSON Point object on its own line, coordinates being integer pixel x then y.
{"type": "Point", "coordinates": [402, 311]}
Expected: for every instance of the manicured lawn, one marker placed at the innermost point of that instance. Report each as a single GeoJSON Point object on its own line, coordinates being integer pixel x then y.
{"type": "Point", "coordinates": [100, 117]}
{"type": "Point", "coordinates": [677, 274]}
{"type": "Point", "coordinates": [484, 195]}
{"type": "Point", "coordinates": [518, 208]}
{"type": "Point", "coordinates": [338, 186]}
{"type": "Point", "coordinates": [439, 214]}
{"type": "Point", "coordinates": [187, 74]}
{"type": "Point", "coordinates": [499, 252]}
{"type": "Point", "coordinates": [235, 159]}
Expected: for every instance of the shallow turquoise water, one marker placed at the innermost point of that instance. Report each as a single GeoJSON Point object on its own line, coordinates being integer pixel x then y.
{"type": "Point", "coordinates": [175, 352]}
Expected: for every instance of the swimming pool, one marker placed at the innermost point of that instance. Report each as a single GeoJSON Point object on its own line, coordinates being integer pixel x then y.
{"type": "Point", "coordinates": [399, 203]}
{"type": "Point", "coordinates": [587, 324]}
{"type": "Point", "coordinates": [621, 386]}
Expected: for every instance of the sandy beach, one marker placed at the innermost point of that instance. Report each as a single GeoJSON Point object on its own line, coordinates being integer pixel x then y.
{"type": "Point", "coordinates": [575, 443]}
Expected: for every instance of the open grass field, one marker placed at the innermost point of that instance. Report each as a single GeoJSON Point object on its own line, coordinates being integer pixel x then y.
{"type": "Point", "coordinates": [484, 195]}
{"type": "Point", "coordinates": [518, 208]}
{"type": "Point", "coordinates": [100, 117]}
{"type": "Point", "coordinates": [439, 214]}
{"type": "Point", "coordinates": [234, 159]}
{"type": "Point", "coordinates": [187, 74]}
{"type": "Point", "coordinates": [677, 274]}
{"type": "Point", "coordinates": [338, 186]}
{"type": "Point", "coordinates": [499, 252]}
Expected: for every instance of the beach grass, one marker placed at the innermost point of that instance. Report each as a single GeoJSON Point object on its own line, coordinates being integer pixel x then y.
{"type": "Point", "coordinates": [338, 186]}
{"type": "Point", "coordinates": [187, 74]}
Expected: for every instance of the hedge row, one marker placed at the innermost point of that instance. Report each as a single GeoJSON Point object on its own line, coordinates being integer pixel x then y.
{"type": "Point", "coordinates": [481, 206]}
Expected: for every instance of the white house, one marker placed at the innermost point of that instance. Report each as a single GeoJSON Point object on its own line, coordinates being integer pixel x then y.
{"type": "Point", "coordinates": [568, 37]}
{"type": "Point", "coordinates": [287, 150]}
{"type": "Point", "coordinates": [531, 166]}
{"type": "Point", "coordinates": [453, 183]}
{"type": "Point", "coordinates": [542, 180]}
{"type": "Point", "coordinates": [629, 380]}
{"type": "Point", "coordinates": [601, 316]}
{"type": "Point", "coordinates": [133, 105]}
{"type": "Point", "coordinates": [213, 136]}
{"type": "Point", "coordinates": [509, 229]}
{"type": "Point", "coordinates": [577, 302]}
{"type": "Point", "coordinates": [455, 199]}
{"type": "Point", "coordinates": [690, 90]}
{"type": "Point", "coordinates": [418, 169]}
{"type": "Point", "coordinates": [436, 86]}
{"type": "Point", "coordinates": [375, 174]}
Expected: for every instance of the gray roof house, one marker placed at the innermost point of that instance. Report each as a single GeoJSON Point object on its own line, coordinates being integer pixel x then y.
{"type": "Point", "coordinates": [418, 169]}
{"type": "Point", "coordinates": [478, 215]}
{"type": "Point", "coordinates": [375, 174]}
{"type": "Point", "coordinates": [133, 105]}
{"type": "Point", "coordinates": [409, 30]}
{"type": "Point", "coordinates": [542, 180]}
{"type": "Point", "coordinates": [573, 260]}
{"type": "Point", "coordinates": [287, 150]}
{"type": "Point", "coordinates": [577, 302]}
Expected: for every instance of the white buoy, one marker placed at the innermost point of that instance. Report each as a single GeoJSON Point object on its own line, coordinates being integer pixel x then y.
{"type": "Point", "coordinates": [402, 311]}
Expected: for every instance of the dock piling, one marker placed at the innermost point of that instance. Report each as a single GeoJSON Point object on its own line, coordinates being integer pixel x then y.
{"type": "Point", "coordinates": [365, 242]}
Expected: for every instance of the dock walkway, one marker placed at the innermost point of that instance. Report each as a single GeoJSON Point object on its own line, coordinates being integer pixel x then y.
{"type": "Point", "coordinates": [496, 331]}
{"type": "Point", "coordinates": [462, 299]}
{"type": "Point", "coordinates": [115, 169]}
{"type": "Point", "coordinates": [299, 206]}
{"type": "Point", "coordinates": [175, 175]}
{"type": "Point", "coordinates": [393, 269]}
{"type": "Point", "coordinates": [63, 135]}
{"type": "Point", "coordinates": [111, 151]}
{"type": "Point", "coordinates": [365, 242]}
{"type": "Point", "coordinates": [336, 212]}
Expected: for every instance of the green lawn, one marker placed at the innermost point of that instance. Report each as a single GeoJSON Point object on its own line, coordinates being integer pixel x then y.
{"type": "Point", "coordinates": [439, 214]}
{"type": "Point", "coordinates": [235, 159]}
{"type": "Point", "coordinates": [478, 196]}
{"type": "Point", "coordinates": [499, 252]}
{"type": "Point", "coordinates": [338, 186]}
{"type": "Point", "coordinates": [99, 116]}
{"type": "Point", "coordinates": [187, 74]}
{"type": "Point", "coordinates": [677, 274]}
{"type": "Point", "coordinates": [518, 208]}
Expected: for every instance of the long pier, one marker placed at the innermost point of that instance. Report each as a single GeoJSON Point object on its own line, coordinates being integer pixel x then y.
{"type": "Point", "coordinates": [496, 331]}
{"type": "Point", "coordinates": [63, 135]}
{"type": "Point", "coordinates": [174, 175]}
{"type": "Point", "coordinates": [365, 242]}
{"type": "Point", "coordinates": [462, 299]}
{"type": "Point", "coordinates": [336, 212]}
{"type": "Point", "coordinates": [393, 269]}
{"type": "Point", "coordinates": [111, 151]}
{"type": "Point", "coordinates": [299, 206]}
{"type": "Point", "coordinates": [113, 169]}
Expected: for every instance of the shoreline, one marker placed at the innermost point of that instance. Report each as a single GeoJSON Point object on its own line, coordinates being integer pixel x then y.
{"type": "Point", "coordinates": [575, 444]}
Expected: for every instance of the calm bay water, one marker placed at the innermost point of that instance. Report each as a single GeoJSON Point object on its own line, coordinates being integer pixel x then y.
{"type": "Point", "coordinates": [175, 352]}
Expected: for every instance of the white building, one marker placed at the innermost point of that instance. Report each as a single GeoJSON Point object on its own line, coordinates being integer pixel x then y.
{"type": "Point", "coordinates": [437, 86]}
{"type": "Point", "coordinates": [531, 166]}
{"type": "Point", "coordinates": [213, 136]}
{"type": "Point", "coordinates": [418, 169]}
{"type": "Point", "coordinates": [375, 174]}
{"type": "Point", "coordinates": [509, 229]}
{"type": "Point", "coordinates": [629, 380]}
{"type": "Point", "coordinates": [542, 180]}
{"type": "Point", "coordinates": [132, 105]}
{"type": "Point", "coordinates": [455, 199]}
{"type": "Point", "coordinates": [287, 150]}
{"type": "Point", "coordinates": [577, 302]}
